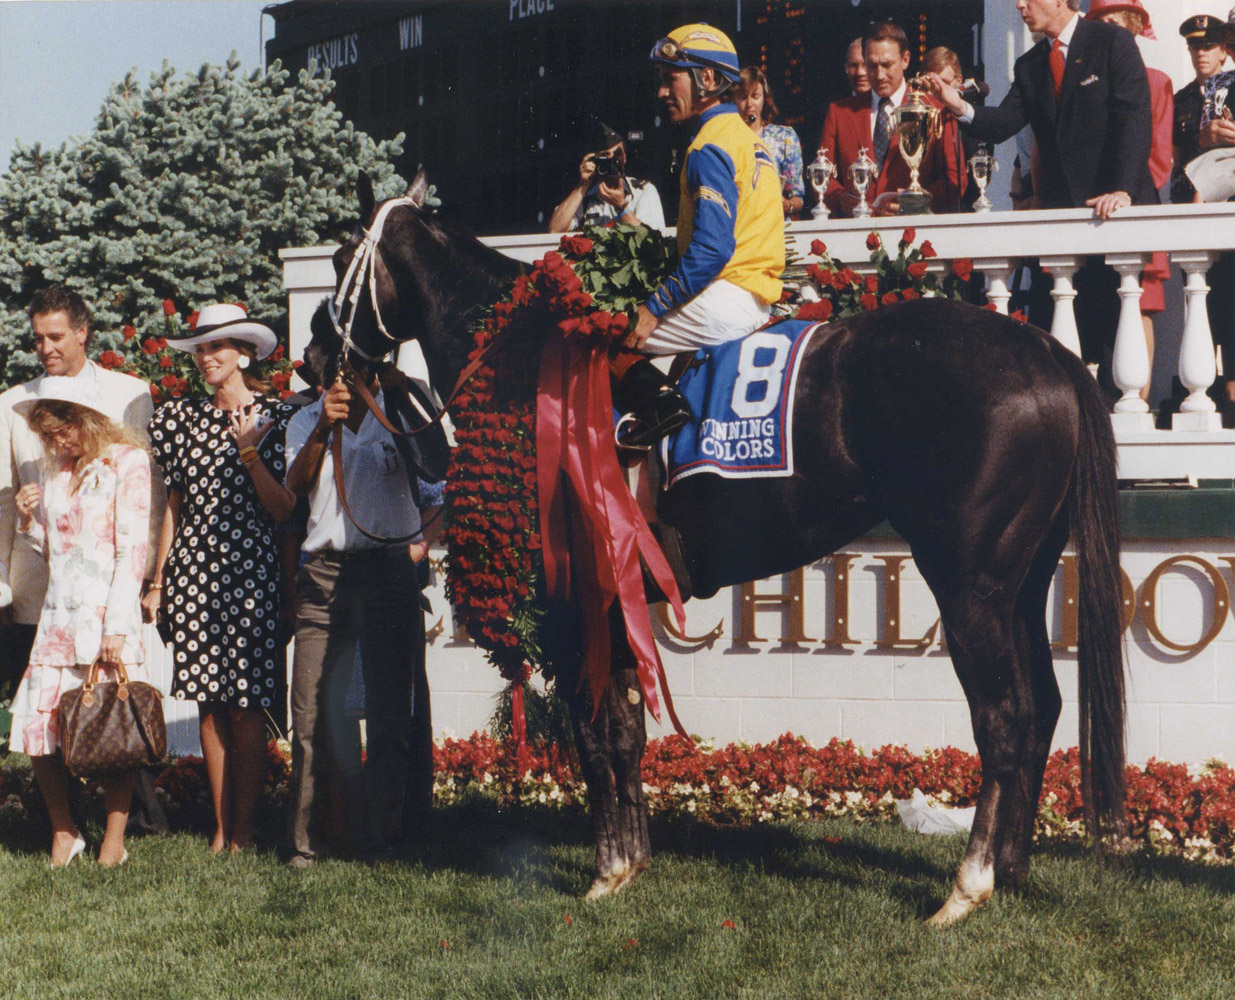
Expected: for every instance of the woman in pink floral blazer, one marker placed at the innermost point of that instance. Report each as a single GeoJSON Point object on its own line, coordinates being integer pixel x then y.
{"type": "Point", "coordinates": [90, 513]}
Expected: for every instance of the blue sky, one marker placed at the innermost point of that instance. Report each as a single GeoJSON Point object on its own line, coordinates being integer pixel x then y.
{"type": "Point", "coordinates": [58, 57]}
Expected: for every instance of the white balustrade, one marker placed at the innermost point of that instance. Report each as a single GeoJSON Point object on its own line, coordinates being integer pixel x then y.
{"type": "Point", "coordinates": [996, 242]}
{"type": "Point", "coordinates": [1063, 324]}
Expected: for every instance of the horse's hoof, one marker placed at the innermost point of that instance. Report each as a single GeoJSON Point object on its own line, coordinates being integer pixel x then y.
{"type": "Point", "coordinates": [974, 885]}
{"type": "Point", "coordinates": [604, 885]}
{"type": "Point", "coordinates": [633, 870]}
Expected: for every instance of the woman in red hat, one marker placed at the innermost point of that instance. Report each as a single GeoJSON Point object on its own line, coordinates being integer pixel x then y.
{"type": "Point", "coordinates": [1131, 15]}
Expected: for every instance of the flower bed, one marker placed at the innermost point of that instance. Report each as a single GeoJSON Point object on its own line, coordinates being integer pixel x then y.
{"type": "Point", "coordinates": [1171, 809]}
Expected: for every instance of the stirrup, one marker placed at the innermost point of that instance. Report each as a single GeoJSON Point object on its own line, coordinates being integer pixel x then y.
{"type": "Point", "coordinates": [625, 421]}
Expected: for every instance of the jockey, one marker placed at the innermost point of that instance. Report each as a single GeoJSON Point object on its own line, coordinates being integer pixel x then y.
{"type": "Point", "coordinates": [731, 235]}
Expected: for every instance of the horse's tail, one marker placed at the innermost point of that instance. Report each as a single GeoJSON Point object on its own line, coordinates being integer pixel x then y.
{"type": "Point", "coordinates": [1094, 518]}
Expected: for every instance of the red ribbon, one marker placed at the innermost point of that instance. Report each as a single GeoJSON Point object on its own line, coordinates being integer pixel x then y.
{"type": "Point", "coordinates": [595, 540]}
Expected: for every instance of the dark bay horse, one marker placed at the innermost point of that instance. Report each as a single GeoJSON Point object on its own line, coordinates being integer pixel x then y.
{"type": "Point", "coordinates": [983, 442]}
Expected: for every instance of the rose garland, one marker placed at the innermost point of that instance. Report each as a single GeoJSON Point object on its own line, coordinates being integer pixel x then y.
{"type": "Point", "coordinates": [589, 289]}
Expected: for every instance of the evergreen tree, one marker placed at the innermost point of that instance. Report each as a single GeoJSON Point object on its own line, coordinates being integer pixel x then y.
{"type": "Point", "coordinates": [186, 190]}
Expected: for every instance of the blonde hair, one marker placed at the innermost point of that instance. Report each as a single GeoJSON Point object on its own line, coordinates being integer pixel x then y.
{"type": "Point", "coordinates": [95, 432]}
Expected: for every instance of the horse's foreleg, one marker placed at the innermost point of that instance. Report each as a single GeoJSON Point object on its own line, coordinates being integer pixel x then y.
{"type": "Point", "coordinates": [628, 737]}
{"type": "Point", "coordinates": [592, 743]}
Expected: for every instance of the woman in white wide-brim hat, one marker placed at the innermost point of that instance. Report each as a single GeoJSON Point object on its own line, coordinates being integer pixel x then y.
{"type": "Point", "coordinates": [90, 514]}
{"type": "Point", "coordinates": [217, 592]}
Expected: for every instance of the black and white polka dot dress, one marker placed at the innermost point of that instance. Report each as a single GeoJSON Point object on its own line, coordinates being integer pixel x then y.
{"type": "Point", "coordinates": [221, 598]}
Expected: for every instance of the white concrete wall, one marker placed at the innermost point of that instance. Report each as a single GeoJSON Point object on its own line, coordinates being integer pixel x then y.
{"type": "Point", "coordinates": [1181, 707]}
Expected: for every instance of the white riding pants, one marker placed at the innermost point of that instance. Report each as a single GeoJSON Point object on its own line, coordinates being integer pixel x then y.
{"type": "Point", "coordinates": [720, 313]}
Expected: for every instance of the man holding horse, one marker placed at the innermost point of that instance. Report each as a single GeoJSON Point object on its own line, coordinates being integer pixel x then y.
{"type": "Point", "coordinates": [731, 236]}
{"type": "Point", "coordinates": [357, 587]}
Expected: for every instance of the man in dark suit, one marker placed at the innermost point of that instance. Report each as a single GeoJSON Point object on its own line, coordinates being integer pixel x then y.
{"type": "Point", "coordinates": [1085, 92]}
{"type": "Point", "coordinates": [852, 124]}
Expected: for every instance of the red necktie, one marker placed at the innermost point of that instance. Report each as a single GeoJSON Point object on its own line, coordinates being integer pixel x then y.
{"type": "Point", "coordinates": [1057, 65]}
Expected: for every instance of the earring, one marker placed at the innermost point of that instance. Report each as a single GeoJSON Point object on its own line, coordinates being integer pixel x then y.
{"type": "Point", "coordinates": [244, 361]}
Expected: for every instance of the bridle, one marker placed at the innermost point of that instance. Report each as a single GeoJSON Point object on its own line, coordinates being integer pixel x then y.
{"type": "Point", "coordinates": [362, 273]}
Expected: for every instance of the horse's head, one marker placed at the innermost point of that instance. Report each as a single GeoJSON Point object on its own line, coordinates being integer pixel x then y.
{"type": "Point", "coordinates": [407, 273]}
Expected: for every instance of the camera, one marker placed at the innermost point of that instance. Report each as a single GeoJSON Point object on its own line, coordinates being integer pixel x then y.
{"type": "Point", "coordinates": [608, 167]}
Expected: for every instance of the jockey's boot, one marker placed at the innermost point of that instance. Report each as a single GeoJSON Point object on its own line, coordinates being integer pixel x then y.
{"type": "Point", "coordinates": [651, 406]}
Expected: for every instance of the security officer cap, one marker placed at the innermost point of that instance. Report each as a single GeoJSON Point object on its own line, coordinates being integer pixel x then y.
{"type": "Point", "coordinates": [1204, 29]}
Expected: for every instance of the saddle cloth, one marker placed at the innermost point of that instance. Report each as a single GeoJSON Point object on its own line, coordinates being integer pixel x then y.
{"type": "Point", "coordinates": [741, 394]}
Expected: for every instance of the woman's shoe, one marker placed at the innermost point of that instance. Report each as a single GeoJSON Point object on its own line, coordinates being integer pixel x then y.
{"type": "Point", "coordinates": [124, 857]}
{"type": "Point", "coordinates": [79, 845]}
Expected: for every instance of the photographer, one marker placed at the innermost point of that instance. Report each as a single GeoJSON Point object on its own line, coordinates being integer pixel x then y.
{"type": "Point", "coordinates": [604, 193]}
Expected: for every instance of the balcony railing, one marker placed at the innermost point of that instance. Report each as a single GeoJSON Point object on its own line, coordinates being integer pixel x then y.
{"type": "Point", "coordinates": [1192, 235]}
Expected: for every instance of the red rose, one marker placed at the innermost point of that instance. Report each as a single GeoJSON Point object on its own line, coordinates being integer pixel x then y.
{"type": "Point", "coordinates": [1020, 315]}
{"type": "Point", "coordinates": [873, 242]}
{"type": "Point", "coordinates": [165, 362]}
{"type": "Point", "coordinates": [917, 269]}
{"type": "Point", "coordinates": [277, 354]}
{"type": "Point", "coordinates": [962, 268]}
{"type": "Point", "coordinates": [991, 306]}
{"type": "Point", "coordinates": [928, 251]}
{"type": "Point", "coordinates": [168, 381]}
{"type": "Point", "coordinates": [872, 283]}
{"type": "Point", "coordinates": [818, 247]}
{"type": "Point", "coordinates": [129, 332]}
{"type": "Point", "coordinates": [110, 359]}
{"type": "Point", "coordinates": [910, 293]}
{"type": "Point", "coordinates": [909, 235]}
{"type": "Point", "coordinates": [889, 298]}
{"type": "Point", "coordinates": [193, 320]}
{"type": "Point", "coordinates": [869, 302]}
{"type": "Point", "coordinates": [297, 363]}
{"type": "Point", "coordinates": [169, 307]}
{"type": "Point", "coordinates": [150, 346]}
{"type": "Point", "coordinates": [820, 310]}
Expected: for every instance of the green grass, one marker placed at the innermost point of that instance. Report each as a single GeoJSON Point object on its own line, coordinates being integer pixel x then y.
{"type": "Point", "coordinates": [813, 919]}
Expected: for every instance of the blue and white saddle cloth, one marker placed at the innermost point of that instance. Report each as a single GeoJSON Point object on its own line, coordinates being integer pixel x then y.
{"type": "Point", "coordinates": [741, 394]}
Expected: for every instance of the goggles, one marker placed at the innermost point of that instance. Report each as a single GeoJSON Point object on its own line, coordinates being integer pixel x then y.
{"type": "Point", "coordinates": [667, 50]}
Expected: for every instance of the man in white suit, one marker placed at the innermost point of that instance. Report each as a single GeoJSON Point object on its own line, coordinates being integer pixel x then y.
{"type": "Point", "coordinates": [60, 322]}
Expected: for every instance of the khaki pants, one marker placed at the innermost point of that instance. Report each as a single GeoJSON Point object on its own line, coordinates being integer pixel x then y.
{"type": "Point", "coordinates": [371, 598]}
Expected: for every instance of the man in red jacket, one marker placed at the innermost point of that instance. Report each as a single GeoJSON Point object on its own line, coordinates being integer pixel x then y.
{"type": "Point", "coordinates": [866, 121]}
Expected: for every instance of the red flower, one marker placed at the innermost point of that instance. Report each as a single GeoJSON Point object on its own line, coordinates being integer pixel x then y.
{"type": "Point", "coordinates": [1020, 314]}
{"type": "Point", "coordinates": [165, 362]}
{"type": "Point", "coordinates": [889, 298]}
{"type": "Point", "coordinates": [910, 293]}
{"type": "Point", "coordinates": [110, 359]}
{"type": "Point", "coordinates": [568, 920]}
{"type": "Point", "coordinates": [928, 251]}
{"type": "Point", "coordinates": [129, 332]}
{"type": "Point", "coordinates": [169, 307]}
{"type": "Point", "coordinates": [169, 381]}
{"type": "Point", "coordinates": [962, 267]}
{"type": "Point", "coordinates": [241, 305]}
{"type": "Point", "coordinates": [632, 943]}
{"type": "Point", "coordinates": [991, 306]}
{"type": "Point", "coordinates": [872, 283]}
{"type": "Point", "coordinates": [869, 302]}
{"type": "Point", "coordinates": [917, 269]}
{"type": "Point", "coordinates": [873, 242]}
{"type": "Point", "coordinates": [577, 246]}
{"type": "Point", "coordinates": [820, 310]}
{"type": "Point", "coordinates": [818, 247]}
{"type": "Point", "coordinates": [150, 346]}
{"type": "Point", "coordinates": [276, 354]}
{"type": "Point", "coordinates": [193, 320]}
{"type": "Point", "coordinates": [728, 925]}
{"type": "Point", "coordinates": [909, 235]}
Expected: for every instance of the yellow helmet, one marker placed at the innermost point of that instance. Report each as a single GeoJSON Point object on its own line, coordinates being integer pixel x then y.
{"type": "Point", "coordinates": [699, 46]}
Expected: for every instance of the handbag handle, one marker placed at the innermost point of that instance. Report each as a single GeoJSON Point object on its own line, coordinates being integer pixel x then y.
{"type": "Point", "coordinates": [92, 675]}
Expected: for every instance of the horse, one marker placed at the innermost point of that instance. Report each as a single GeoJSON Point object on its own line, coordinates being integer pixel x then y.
{"type": "Point", "coordinates": [981, 440]}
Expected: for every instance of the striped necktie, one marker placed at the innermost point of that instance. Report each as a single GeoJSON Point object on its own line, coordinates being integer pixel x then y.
{"type": "Point", "coordinates": [883, 132]}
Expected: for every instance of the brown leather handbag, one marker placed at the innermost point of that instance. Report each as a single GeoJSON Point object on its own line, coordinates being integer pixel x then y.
{"type": "Point", "coordinates": [113, 726]}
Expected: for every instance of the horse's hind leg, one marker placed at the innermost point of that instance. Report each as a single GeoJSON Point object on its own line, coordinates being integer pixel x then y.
{"type": "Point", "coordinates": [981, 639]}
{"type": "Point", "coordinates": [1034, 655]}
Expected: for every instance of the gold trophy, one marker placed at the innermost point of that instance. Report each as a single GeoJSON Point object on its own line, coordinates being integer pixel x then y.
{"type": "Point", "coordinates": [917, 123]}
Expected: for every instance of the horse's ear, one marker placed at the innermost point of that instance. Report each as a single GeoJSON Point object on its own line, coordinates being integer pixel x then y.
{"type": "Point", "coordinates": [418, 189]}
{"type": "Point", "coordinates": [364, 191]}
